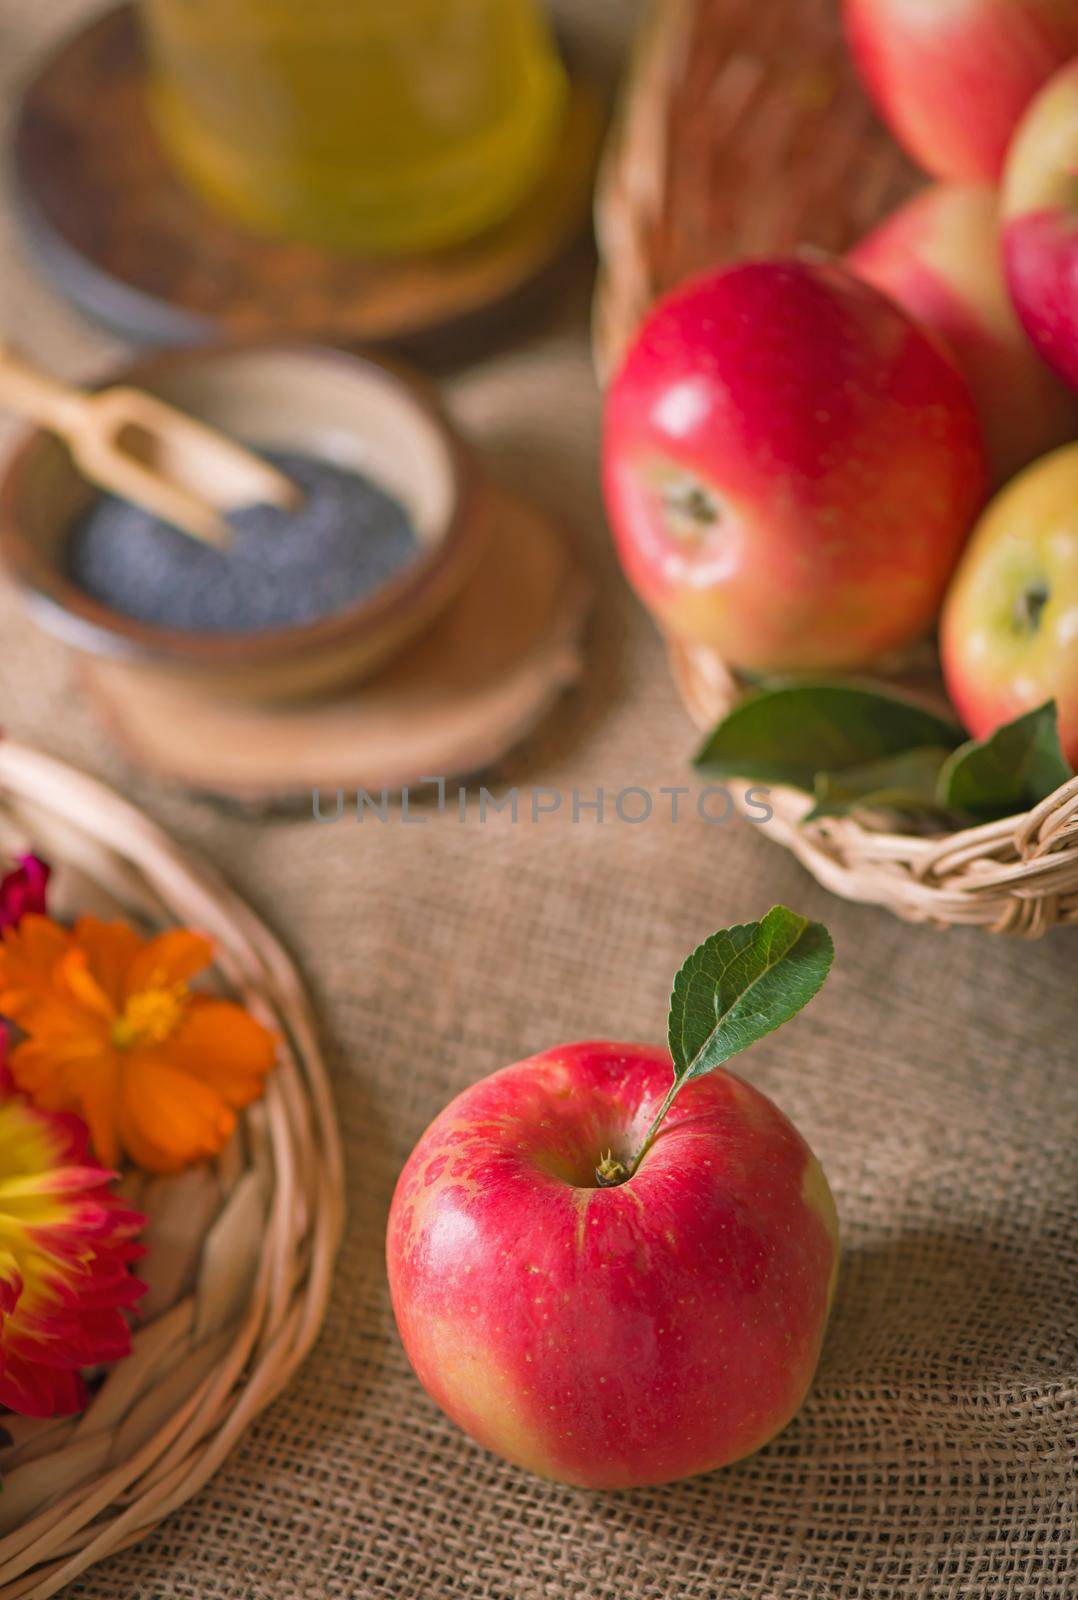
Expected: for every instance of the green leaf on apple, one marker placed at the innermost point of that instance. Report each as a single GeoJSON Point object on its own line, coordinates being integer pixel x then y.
{"type": "Point", "coordinates": [790, 732]}
{"type": "Point", "coordinates": [737, 986]}
{"type": "Point", "coordinates": [1017, 767]}
{"type": "Point", "coordinates": [742, 983]}
{"type": "Point", "coordinates": [906, 782]}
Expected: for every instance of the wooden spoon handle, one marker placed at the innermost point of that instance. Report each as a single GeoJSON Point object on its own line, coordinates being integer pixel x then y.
{"type": "Point", "coordinates": [29, 392]}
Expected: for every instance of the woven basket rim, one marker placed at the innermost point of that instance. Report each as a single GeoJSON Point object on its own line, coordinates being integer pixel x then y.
{"type": "Point", "coordinates": [303, 1214]}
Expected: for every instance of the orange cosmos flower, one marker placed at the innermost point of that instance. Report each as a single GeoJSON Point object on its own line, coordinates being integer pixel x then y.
{"type": "Point", "coordinates": [66, 1246]}
{"type": "Point", "coordinates": [116, 1034]}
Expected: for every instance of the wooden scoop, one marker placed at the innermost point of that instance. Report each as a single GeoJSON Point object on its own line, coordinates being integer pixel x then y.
{"type": "Point", "coordinates": [138, 447]}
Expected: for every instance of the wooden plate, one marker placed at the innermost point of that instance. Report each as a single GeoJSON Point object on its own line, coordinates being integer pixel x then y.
{"type": "Point", "coordinates": [468, 690]}
{"type": "Point", "coordinates": [120, 235]}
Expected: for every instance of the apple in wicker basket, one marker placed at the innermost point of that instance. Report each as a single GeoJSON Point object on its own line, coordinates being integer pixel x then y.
{"type": "Point", "coordinates": [939, 257]}
{"type": "Point", "coordinates": [1040, 231]}
{"type": "Point", "coordinates": [952, 77]}
{"type": "Point", "coordinates": [610, 1268]}
{"type": "Point", "coordinates": [1009, 630]}
{"type": "Point", "coordinates": [790, 467]}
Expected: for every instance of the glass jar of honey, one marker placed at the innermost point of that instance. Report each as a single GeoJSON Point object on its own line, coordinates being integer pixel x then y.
{"type": "Point", "coordinates": [382, 126]}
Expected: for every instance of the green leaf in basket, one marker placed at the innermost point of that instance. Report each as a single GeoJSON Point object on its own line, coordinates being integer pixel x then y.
{"type": "Point", "coordinates": [1015, 768]}
{"type": "Point", "coordinates": [789, 732]}
{"type": "Point", "coordinates": [736, 987]}
{"type": "Point", "coordinates": [904, 782]}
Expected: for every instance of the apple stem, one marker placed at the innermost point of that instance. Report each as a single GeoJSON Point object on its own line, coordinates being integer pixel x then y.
{"type": "Point", "coordinates": [649, 1137]}
{"type": "Point", "coordinates": [610, 1171]}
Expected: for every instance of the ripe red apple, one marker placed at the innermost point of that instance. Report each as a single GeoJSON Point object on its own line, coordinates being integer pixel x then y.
{"type": "Point", "coordinates": [1009, 630]}
{"type": "Point", "coordinates": [952, 77]}
{"type": "Point", "coordinates": [613, 1336]}
{"type": "Point", "coordinates": [790, 467]}
{"type": "Point", "coordinates": [939, 257]}
{"type": "Point", "coordinates": [1040, 222]}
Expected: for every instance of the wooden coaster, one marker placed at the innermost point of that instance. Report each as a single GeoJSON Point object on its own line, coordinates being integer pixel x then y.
{"type": "Point", "coordinates": [468, 690]}
{"type": "Point", "coordinates": [120, 235]}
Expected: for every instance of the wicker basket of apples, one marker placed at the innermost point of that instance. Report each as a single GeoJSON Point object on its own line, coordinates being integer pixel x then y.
{"type": "Point", "coordinates": [841, 428]}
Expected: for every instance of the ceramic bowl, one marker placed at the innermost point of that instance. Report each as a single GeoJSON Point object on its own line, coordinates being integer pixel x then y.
{"type": "Point", "coordinates": [350, 409]}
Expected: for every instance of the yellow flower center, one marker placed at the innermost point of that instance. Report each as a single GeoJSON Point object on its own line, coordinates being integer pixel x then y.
{"type": "Point", "coordinates": [151, 1016]}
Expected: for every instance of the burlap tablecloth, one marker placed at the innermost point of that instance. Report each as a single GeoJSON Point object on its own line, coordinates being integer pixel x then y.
{"type": "Point", "coordinates": [935, 1077]}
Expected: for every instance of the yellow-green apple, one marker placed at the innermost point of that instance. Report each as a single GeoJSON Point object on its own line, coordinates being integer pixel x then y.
{"type": "Point", "coordinates": [1009, 629]}
{"type": "Point", "coordinates": [1040, 221]}
{"type": "Point", "coordinates": [952, 77]}
{"type": "Point", "coordinates": [612, 1336]}
{"type": "Point", "coordinates": [939, 257]}
{"type": "Point", "coordinates": [790, 467]}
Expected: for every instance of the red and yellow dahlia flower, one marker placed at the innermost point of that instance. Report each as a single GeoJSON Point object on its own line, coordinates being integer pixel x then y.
{"type": "Point", "coordinates": [116, 1034]}
{"type": "Point", "coordinates": [66, 1245]}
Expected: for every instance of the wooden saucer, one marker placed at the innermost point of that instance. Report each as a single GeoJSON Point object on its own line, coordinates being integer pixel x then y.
{"type": "Point", "coordinates": [469, 689]}
{"type": "Point", "coordinates": [120, 235]}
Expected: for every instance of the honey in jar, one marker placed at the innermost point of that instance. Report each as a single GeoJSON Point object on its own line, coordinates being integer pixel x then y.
{"type": "Point", "coordinates": [382, 126]}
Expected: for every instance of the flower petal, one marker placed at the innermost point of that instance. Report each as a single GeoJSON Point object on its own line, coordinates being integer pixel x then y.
{"type": "Point", "coordinates": [22, 890]}
{"type": "Point", "coordinates": [29, 957]}
{"type": "Point", "coordinates": [222, 1045]}
{"type": "Point", "coordinates": [111, 948]}
{"type": "Point", "coordinates": [78, 979]}
{"type": "Point", "coordinates": [39, 1391]}
{"type": "Point", "coordinates": [173, 957]}
{"type": "Point", "coordinates": [168, 1119]}
{"type": "Point", "coordinates": [87, 1083]}
{"type": "Point", "coordinates": [68, 1243]}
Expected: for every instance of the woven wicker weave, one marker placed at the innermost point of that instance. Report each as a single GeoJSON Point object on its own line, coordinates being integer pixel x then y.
{"type": "Point", "coordinates": [742, 130]}
{"type": "Point", "coordinates": [240, 1251]}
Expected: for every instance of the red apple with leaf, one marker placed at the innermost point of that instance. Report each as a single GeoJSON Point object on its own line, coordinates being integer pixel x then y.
{"type": "Point", "coordinates": [953, 77]}
{"type": "Point", "coordinates": [939, 256]}
{"type": "Point", "coordinates": [1040, 222]}
{"type": "Point", "coordinates": [612, 1264]}
{"type": "Point", "coordinates": [790, 467]}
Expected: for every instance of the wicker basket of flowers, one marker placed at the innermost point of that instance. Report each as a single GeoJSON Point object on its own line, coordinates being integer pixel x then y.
{"type": "Point", "coordinates": [172, 1199]}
